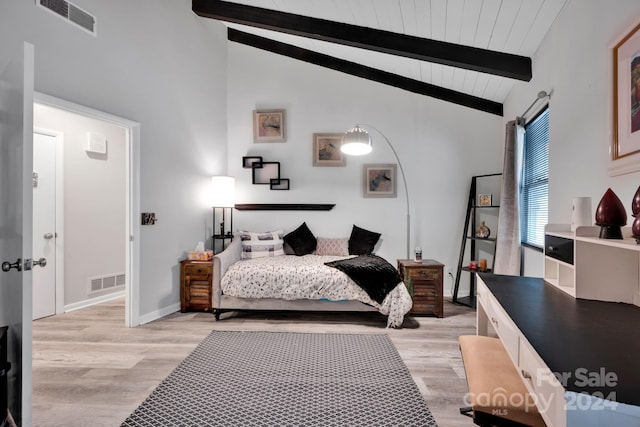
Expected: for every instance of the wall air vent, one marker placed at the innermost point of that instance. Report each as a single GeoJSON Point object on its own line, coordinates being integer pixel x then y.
{"type": "Point", "coordinates": [71, 13]}
{"type": "Point", "coordinates": [104, 283]}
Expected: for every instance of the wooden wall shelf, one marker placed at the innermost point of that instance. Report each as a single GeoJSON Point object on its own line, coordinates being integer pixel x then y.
{"type": "Point", "coordinates": [283, 207]}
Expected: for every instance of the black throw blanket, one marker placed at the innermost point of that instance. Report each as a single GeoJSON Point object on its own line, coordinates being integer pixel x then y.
{"type": "Point", "coordinates": [372, 273]}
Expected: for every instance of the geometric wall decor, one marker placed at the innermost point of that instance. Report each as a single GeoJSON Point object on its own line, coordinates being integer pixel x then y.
{"type": "Point", "coordinates": [265, 173]}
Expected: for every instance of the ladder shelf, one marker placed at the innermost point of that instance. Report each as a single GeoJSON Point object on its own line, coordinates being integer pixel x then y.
{"type": "Point", "coordinates": [474, 215]}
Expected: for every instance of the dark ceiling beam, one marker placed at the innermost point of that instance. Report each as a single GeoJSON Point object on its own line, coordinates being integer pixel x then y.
{"type": "Point", "coordinates": [369, 73]}
{"type": "Point", "coordinates": [439, 52]}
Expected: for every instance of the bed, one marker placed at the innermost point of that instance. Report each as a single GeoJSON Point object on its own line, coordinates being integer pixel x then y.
{"type": "Point", "coordinates": [301, 282]}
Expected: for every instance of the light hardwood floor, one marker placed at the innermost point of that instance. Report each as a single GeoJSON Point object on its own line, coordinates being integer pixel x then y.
{"type": "Point", "coordinates": [90, 370]}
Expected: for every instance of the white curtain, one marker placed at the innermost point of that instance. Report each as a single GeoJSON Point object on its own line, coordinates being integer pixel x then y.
{"type": "Point", "coordinates": [508, 238]}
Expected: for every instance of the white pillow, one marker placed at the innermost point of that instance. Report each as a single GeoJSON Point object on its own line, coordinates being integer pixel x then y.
{"type": "Point", "coordinates": [332, 246]}
{"type": "Point", "coordinates": [261, 244]}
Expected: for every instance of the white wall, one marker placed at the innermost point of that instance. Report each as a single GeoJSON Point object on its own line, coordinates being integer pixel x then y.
{"type": "Point", "coordinates": [440, 145]}
{"type": "Point", "coordinates": [574, 62]}
{"type": "Point", "coordinates": [157, 63]}
{"type": "Point", "coordinates": [94, 200]}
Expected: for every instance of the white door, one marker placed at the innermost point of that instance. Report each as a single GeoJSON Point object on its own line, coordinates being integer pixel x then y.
{"type": "Point", "coordinates": [44, 224]}
{"type": "Point", "coordinates": [16, 158]}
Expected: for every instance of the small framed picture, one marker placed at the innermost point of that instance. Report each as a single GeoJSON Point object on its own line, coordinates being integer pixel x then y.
{"type": "Point", "coordinates": [268, 126]}
{"type": "Point", "coordinates": [379, 180]}
{"type": "Point", "coordinates": [326, 149]}
{"type": "Point", "coordinates": [484, 199]}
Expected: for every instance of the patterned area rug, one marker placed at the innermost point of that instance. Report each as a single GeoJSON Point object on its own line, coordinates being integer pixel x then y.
{"type": "Point", "coordinates": [295, 379]}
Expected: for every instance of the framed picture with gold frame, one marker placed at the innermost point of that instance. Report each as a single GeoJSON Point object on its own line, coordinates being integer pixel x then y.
{"type": "Point", "coordinates": [626, 94]}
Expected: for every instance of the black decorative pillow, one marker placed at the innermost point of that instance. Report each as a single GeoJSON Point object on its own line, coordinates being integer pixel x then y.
{"type": "Point", "coordinates": [362, 241]}
{"type": "Point", "coordinates": [287, 249]}
{"type": "Point", "coordinates": [301, 240]}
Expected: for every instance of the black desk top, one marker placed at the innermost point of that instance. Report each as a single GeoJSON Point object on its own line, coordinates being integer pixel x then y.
{"type": "Point", "coordinates": [576, 337]}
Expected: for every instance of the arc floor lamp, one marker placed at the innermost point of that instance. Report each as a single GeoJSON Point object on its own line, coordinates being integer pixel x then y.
{"type": "Point", "coordinates": [358, 142]}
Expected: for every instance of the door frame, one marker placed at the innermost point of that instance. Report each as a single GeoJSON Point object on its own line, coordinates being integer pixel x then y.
{"type": "Point", "coordinates": [59, 239]}
{"type": "Point", "coordinates": [132, 197]}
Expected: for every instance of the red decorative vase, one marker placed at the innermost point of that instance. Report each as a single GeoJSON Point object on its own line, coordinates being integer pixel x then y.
{"type": "Point", "coordinates": [610, 216]}
{"type": "Point", "coordinates": [635, 203]}
{"type": "Point", "coordinates": [635, 229]}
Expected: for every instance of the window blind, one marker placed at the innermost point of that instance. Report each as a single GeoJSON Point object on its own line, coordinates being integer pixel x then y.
{"type": "Point", "coordinates": [535, 180]}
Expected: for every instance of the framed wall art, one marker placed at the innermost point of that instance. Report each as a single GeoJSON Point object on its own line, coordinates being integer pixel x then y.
{"type": "Point", "coordinates": [326, 149]}
{"type": "Point", "coordinates": [484, 199]}
{"type": "Point", "coordinates": [379, 180]}
{"type": "Point", "coordinates": [269, 126]}
{"type": "Point", "coordinates": [626, 93]}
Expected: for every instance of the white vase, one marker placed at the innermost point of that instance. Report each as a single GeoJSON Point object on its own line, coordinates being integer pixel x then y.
{"type": "Point", "coordinates": [581, 212]}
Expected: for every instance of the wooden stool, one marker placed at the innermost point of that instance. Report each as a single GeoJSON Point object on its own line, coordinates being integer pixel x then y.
{"type": "Point", "coordinates": [497, 394]}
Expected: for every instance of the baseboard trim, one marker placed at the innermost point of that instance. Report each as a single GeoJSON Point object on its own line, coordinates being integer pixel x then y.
{"type": "Point", "coordinates": [93, 301]}
{"type": "Point", "coordinates": [157, 314]}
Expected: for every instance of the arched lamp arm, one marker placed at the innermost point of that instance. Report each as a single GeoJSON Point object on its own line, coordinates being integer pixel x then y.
{"type": "Point", "coordinates": [404, 181]}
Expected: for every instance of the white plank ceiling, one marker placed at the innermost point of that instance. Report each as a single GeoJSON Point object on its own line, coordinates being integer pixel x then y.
{"type": "Point", "coordinates": [510, 26]}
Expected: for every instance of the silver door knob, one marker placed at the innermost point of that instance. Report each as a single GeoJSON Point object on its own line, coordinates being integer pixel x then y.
{"type": "Point", "coordinates": [48, 236]}
{"type": "Point", "coordinates": [6, 266]}
{"type": "Point", "coordinates": [41, 262]}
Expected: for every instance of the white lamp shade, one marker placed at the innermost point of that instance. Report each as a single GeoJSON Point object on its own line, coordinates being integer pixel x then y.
{"type": "Point", "coordinates": [356, 142]}
{"type": "Point", "coordinates": [223, 189]}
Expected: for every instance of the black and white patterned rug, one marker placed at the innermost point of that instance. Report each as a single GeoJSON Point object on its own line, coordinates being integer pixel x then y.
{"type": "Point", "coordinates": [293, 379]}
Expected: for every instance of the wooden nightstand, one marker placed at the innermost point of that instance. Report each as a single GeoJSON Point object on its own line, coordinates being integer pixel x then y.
{"type": "Point", "coordinates": [195, 285]}
{"type": "Point", "coordinates": [424, 282]}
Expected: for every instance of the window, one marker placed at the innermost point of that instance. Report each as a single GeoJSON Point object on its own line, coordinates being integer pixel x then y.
{"type": "Point", "coordinates": [534, 196]}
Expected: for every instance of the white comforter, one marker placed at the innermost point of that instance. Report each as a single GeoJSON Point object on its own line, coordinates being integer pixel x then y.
{"type": "Point", "coordinates": [293, 277]}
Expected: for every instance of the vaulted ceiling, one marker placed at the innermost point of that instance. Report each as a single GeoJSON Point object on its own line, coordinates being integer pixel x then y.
{"type": "Point", "coordinates": [470, 52]}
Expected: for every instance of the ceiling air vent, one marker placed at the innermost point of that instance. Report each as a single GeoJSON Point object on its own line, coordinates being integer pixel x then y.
{"type": "Point", "coordinates": [71, 13]}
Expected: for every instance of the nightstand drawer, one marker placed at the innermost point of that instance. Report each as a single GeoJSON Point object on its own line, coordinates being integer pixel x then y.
{"type": "Point", "coordinates": [201, 270]}
{"type": "Point", "coordinates": [424, 274]}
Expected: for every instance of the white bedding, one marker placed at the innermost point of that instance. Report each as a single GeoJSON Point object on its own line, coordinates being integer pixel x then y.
{"type": "Point", "coordinates": [293, 277]}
